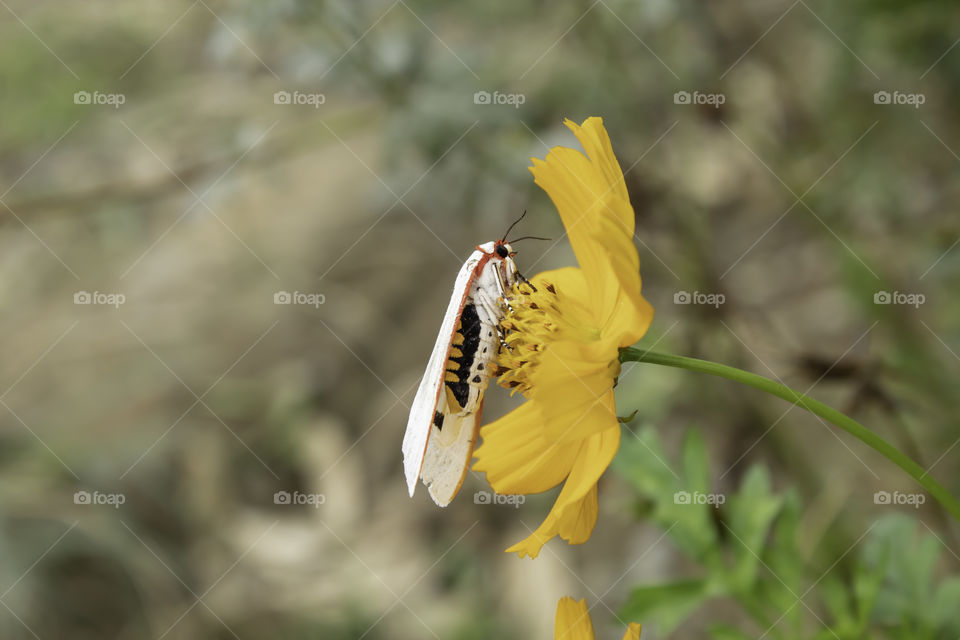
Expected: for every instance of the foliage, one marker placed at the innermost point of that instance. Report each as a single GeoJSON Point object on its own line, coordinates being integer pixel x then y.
{"type": "Point", "coordinates": [746, 551]}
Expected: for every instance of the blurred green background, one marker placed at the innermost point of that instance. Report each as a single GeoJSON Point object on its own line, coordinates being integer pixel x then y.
{"type": "Point", "coordinates": [145, 152]}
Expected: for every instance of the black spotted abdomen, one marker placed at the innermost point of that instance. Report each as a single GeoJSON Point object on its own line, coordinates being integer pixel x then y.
{"type": "Point", "coordinates": [472, 352]}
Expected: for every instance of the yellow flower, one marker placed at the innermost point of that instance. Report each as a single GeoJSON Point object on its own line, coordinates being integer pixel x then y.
{"type": "Point", "coordinates": [573, 622]}
{"type": "Point", "coordinates": [564, 340]}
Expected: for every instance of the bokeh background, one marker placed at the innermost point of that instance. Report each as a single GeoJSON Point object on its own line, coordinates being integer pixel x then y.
{"type": "Point", "coordinates": [146, 154]}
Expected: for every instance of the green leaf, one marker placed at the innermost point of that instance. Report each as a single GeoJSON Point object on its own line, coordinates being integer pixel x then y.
{"type": "Point", "coordinates": [696, 464]}
{"type": "Point", "coordinates": [946, 608]}
{"type": "Point", "coordinates": [669, 604]}
{"type": "Point", "coordinates": [643, 463]}
{"type": "Point", "coordinates": [838, 600]}
{"type": "Point", "coordinates": [690, 509]}
{"type": "Point", "coordinates": [894, 549]}
{"type": "Point", "coordinates": [867, 583]}
{"type": "Point", "coordinates": [783, 557]}
{"type": "Point", "coordinates": [751, 514]}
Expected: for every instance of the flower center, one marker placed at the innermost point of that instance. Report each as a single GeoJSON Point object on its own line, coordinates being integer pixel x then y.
{"type": "Point", "coordinates": [535, 321]}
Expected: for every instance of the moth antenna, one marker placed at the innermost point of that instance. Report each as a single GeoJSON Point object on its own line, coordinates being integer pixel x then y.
{"type": "Point", "coordinates": [510, 228]}
{"type": "Point", "coordinates": [530, 238]}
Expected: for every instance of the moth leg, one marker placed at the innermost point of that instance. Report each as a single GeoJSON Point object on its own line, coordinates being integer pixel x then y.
{"type": "Point", "coordinates": [490, 308]}
{"type": "Point", "coordinates": [502, 337]}
{"type": "Point", "coordinates": [522, 279]}
{"type": "Point", "coordinates": [502, 290]}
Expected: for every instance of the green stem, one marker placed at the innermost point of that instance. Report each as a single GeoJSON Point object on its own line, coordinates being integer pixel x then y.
{"type": "Point", "coordinates": [816, 407]}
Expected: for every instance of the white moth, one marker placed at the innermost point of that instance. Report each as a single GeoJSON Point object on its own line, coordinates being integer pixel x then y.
{"type": "Point", "coordinates": [445, 415]}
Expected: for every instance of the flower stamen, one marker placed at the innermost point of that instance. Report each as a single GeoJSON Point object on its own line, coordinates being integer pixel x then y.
{"type": "Point", "coordinates": [532, 323]}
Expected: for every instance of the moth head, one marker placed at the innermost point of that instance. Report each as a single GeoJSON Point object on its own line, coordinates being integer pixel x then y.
{"type": "Point", "coordinates": [503, 249]}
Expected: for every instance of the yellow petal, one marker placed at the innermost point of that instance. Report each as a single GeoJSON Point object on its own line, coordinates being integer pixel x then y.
{"type": "Point", "coordinates": [574, 514]}
{"type": "Point", "coordinates": [574, 291]}
{"type": "Point", "coordinates": [570, 279]}
{"type": "Point", "coordinates": [578, 518]}
{"type": "Point", "coordinates": [595, 456]}
{"type": "Point", "coordinates": [574, 408]}
{"type": "Point", "coordinates": [628, 312]}
{"type": "Point", "coordinates": [595, 141]}
{"type": "Point", "coordinates": [566, 177]}
{"type": "Point", "coordinates": [574, 295]}
{"type": "Point", "coordinates": [517, 458]}
{"type": "Point", "coordinates": [572, 621]}
{"type": "Point", "coordinates": [574, 379]}
{"type": "Point", "coordinates": [586, 190]}
{"type": "Point", "coordinates": [633, 632]}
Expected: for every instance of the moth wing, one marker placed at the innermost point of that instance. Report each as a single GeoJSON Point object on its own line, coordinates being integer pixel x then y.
{"type": "Point", "coordinates": [445, 464]}
{"type": "Point", "coordinates": [425, 403]}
